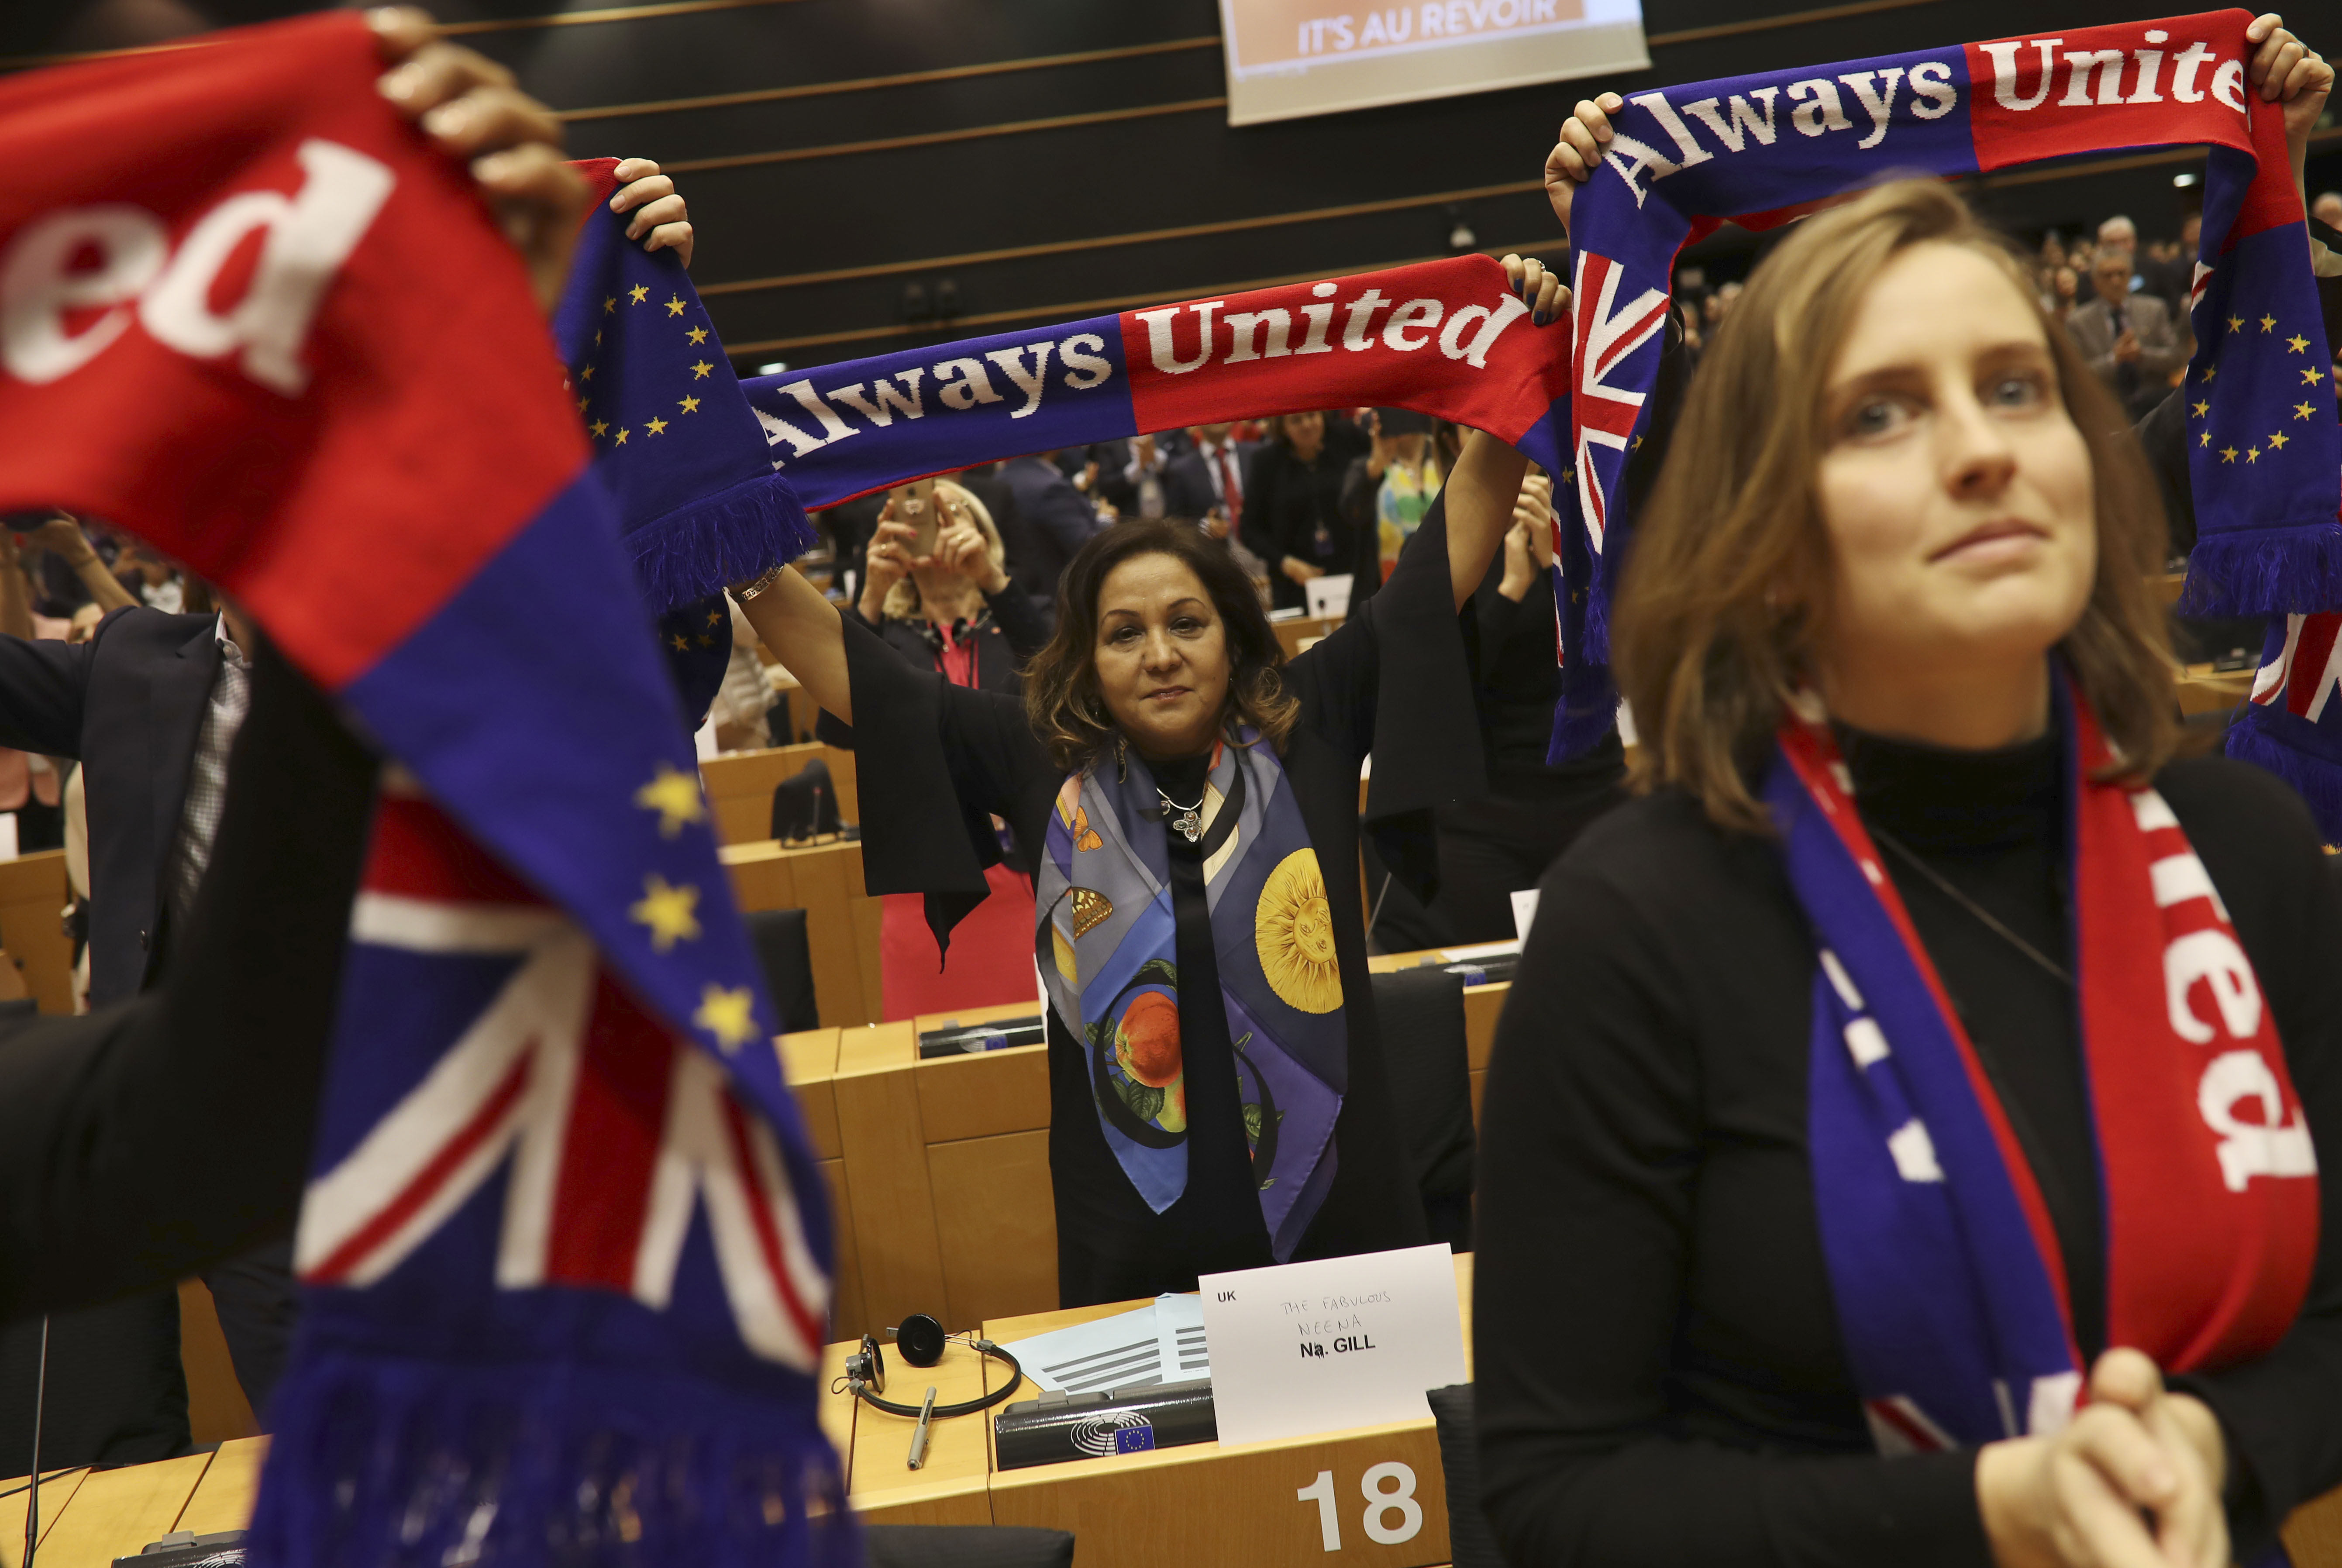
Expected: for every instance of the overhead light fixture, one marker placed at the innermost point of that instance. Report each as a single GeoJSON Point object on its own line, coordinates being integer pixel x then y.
{"type": "Point", "coordinates": [2183, 181]}
{"type": "Point", "coordinates": [774, 368]}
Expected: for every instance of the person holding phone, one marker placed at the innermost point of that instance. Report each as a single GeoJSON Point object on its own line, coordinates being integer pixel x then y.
{"type": "Point", "coordinates": [1217, 1097]}
{"type": "Point", "coordinates": [936, 591]}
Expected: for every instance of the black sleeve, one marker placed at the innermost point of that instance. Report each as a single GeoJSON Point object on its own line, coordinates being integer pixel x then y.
{"type": "Point", "coordinates": [2285, 1444]}
{"type": "Point", "coordinates": [43, 684]}
{"type": "Point", "coordinates": [1590, 1163]}
{"type": "Point", "coordinates": [1257, 527]}
{"type": "Point", "coordinates": [144, 1142]}
{"type": "Point", "coordinates": [1020, 620]}
{"type": "Point", "coordinates": [1498, 616]}
{"type": "Point", "coordinates": [1396, 666]}
{"type": "Point", "coordinates": [1357, 502]}
{"type": "Point", "coordinates": [935, 763]}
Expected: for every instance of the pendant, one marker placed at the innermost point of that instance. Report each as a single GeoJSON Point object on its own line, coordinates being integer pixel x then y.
{"type": "Point", "coordinates": [1188, 823]}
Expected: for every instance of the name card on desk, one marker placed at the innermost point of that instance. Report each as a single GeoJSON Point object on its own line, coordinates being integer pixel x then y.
{"type": "Point", "coordinates": [1322, 1346]}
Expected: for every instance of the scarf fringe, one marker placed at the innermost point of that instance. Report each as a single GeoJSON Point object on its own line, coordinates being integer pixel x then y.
{"type": "Point", "coordinates": [379, 1460]}
{"type": "Point", "coordinates": [2278, 741]}
{"type": "Point", "coordinates": [2266, 571]}
{"type": "Point", "coordinates": [1586, 714]}
{"type": "Point", "coordinates": [698, 549]}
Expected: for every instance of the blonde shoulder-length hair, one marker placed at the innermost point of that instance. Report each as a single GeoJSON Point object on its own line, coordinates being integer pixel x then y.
{"type": "Point", "coordinates": [1724, 596]}
{"type": "Point", "coordinates": [902, 601]}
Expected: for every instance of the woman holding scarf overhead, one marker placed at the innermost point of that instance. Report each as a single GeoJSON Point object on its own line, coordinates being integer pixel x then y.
{"type": "Point", "coordinates": [1217, 1090]}
{"type": "Point", "coordinates": [1928, 1053]}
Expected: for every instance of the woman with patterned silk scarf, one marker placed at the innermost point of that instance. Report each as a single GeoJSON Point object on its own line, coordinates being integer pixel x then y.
{"type": "Point", "coordinates": [1902, 1143]}
{"type": "Point", "coordinates": [1217, 1094]}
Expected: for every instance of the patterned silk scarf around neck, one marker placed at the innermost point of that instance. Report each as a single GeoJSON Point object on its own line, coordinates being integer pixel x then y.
{"type": "Point", "coordinates": [1108, 953]}
{"type": "Point", "coordinates": [1949, 1285]}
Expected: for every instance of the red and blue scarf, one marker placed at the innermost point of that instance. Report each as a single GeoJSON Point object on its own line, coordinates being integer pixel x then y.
{"type": "Point", "coordinates": [2265, 454]}
{"type": "Point", "coordinates": [565, 1244]}
{"type": "Point", "coordinates": [1949, 1284]}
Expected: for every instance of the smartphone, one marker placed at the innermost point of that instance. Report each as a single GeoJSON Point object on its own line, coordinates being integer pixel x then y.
{"type": "Point", "coordinates": [915, 504]}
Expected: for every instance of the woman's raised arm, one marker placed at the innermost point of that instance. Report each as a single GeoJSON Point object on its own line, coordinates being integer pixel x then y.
{"type": "Point", "coordinates": [805, 632]}
{"type": "Point", "coordinates": [1487, 478]}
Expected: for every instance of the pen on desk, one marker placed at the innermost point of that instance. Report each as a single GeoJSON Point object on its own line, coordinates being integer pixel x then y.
{"type": "Point", "coordinates": [919, 1435]}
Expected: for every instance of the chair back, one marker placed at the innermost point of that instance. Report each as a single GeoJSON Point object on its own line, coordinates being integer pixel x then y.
{"type": "Point", "coordinates": [804, 804]}
{"type": "Point", "coordinates": [1420, 1016]}
{"type": "Point", "coordinates": [1470, 1542]}
{"type": "Point", "coordinates": [778, 936]}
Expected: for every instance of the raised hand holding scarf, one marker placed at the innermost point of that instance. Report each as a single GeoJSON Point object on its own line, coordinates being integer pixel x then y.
{"type": "Point", "coordinates": [1762, 150]}
{"type": "Point", "coordinates": [1949, 1285]}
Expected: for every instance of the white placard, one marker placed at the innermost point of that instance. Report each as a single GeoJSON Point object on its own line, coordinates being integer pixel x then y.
{"type": "Point", "coordinates": [1329, 596]}
{"type": "Point", "coordinates": [1324, 1346]}
{"type": "Point", "coordinates": [1523, 913]}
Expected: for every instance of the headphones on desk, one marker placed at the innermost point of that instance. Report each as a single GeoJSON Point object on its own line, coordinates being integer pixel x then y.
{"type": "Point", "coordinates": [920, 1340]}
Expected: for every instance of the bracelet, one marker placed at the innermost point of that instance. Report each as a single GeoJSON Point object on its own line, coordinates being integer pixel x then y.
{"type": "Point", "coordinates": [748, 593]}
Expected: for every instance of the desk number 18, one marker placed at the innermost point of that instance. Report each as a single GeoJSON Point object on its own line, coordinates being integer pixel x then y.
{"type": "Point", "coordinates": [1398, 1498]}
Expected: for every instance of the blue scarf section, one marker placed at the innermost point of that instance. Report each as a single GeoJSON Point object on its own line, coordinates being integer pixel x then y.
{"type": "Point", "coordinates": [1110, 962]}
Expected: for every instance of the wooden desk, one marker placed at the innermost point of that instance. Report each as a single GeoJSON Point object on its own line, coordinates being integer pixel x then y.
{"type": "Point", "coordinates": [91, 1517]}
{"type": "Point", "coordinates": [33, 898]}
{"type": "Point", "coordinates": [739, 786]}
{"type": "Point", "coordinates": [1292, 634]}
{"type": "Point", "coordinates": [825, 880]}
{"type": "Point", "coordinates": [809, 1064]}
{"type": "Point", "coordinates": [948, 1163]}
{"type": "Point", "coordinates": [952, 1486]}
{"type": "Point", "coordinates": [1234, 1502]}
{"type": "Point", "coordinates": [2204, 691]}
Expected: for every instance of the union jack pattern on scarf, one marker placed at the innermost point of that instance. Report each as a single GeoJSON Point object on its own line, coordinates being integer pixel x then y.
{"type": "Point", "coordinates": [614, 1131]}
{"type": "Point", "coordinates": [1604, 412]}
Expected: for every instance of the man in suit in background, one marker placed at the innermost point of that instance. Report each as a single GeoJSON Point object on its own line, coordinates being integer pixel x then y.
{"type": "Point", "coordinates": [2126, 337]}
{"type": "Point", "coordinates": [1053, 520]}
{"type": "Point", "coordinates": [150, 704]}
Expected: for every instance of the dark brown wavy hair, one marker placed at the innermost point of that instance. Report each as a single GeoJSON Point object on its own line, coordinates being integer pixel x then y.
{"type": "Point", "coordinates": [1061, 690]}
{"type": "Point", "coordinates": [1701, 643]}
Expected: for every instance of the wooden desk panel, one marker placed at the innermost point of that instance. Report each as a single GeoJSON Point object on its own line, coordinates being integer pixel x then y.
{"type": "Point", "coordinates": [826, 882]}
{"type": "Point", "coordinates": [809, 1065]}
{"type": "Point", "coordinates": [1292, 634]}
{"type": "Point", "coordinates": [222, 1499]}
{"type": "Point", "coordinates": [739, 786]}
{"type": "Point", "coordinates": [58, 1488]}
{"type": "Point", "coordinates": [2203, 690]}
{"type": "Point", "coordinates": [1213, 1502]}
{"type": "Point", "coordinates": [116, 1512]}
{"type": "Point", "coordinates": [33, 897]}
{"type": "Point", "coordinates": [2313, 1535]}
{"type": "Point", "coordinates": [996, 1223]}
{"type": "Point", "coordinates": [885, 1165]}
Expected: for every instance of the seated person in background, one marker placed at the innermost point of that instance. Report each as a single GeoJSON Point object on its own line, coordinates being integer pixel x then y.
{"type": "Point", "coordinates": [1388, 490]}
{"type": "Point", "coordinates": [1205, 483]}
{"type": "Point", "coordinates": [1490, 848]}
{"type": "Point", "coordinates": [1293, 507]}
{"type": "Point", "coordinates": [1055, 518]}
{"type": "Point", "coordinates": [2126, 338]}
{"type": "Point", "coordinates": [954, 612]}
{"type": "Point", "coordinates": [1717, 1241]}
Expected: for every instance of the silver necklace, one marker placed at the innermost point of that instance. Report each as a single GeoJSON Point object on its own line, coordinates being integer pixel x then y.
{"type": "Point", "coordinates": [1189, 823]}
{"type": "Point", "coordinates": [1965, 901]}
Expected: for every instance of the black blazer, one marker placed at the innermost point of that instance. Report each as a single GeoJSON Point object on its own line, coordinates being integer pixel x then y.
{"type": "Point", "coordinates": [129, 703]}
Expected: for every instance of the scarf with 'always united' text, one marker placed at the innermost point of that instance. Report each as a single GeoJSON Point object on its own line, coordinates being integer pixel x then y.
{"type": "Point", "coordinates": [2264, 451]}
{"type": "Point", "coordinates": [1949, 1284]}
{"type": "Point", "coordinates": [564, 1244]}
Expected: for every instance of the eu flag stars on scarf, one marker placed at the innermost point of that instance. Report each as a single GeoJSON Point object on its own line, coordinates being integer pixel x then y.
{"type": "Point", "coordinates": [565, 1246]}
